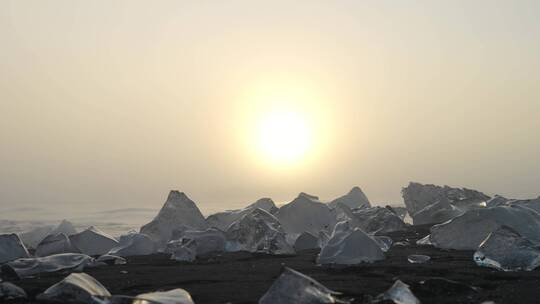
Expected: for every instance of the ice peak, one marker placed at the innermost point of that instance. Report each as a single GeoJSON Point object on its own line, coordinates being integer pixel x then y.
{"type": "Point", "coordinates": [179, 211]}
{"type": "Point", "coordinates": [177, 199]}
{"type": "Point", "coordinates": [308, 196]}
{"type": "Point", "coordinates": [355, 198]}
{"type": "Point", "coordinates": [65, 227]}
{"type": "Point", "coordinates": [264, 200]}
{"type": "Point", "coordinates": [176, 196]}
{"type": "Point", "coordinates": [263, 203]}
{"type": "Point", "coordinates": [355, 190]}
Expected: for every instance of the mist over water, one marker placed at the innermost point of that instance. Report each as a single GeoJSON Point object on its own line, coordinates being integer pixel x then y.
{"type": "Point", "coordinates": [109, 106]}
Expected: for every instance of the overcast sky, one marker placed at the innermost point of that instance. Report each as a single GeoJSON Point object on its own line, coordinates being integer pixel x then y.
{"type": "Point", "coordinates": [110, 104]}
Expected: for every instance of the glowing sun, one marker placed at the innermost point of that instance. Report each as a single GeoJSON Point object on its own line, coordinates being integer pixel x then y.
{"type": "Point", "coordinates": [284, 136]}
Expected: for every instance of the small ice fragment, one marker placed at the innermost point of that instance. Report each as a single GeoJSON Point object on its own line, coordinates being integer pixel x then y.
{"type": "Point", "coordinates": [175, 296]}
{"type": "Point", "coordinates": [76, 288]}
{"type": "Point", "coordinates": [384, 242]}
{"type": "Point", "coordinates": [27, 267]}
{"type": "Point", "coordinates": [111, 259]}
{"type": "Point", "coordinates": [401, 243]}
{"type": "Point", "coordinates": [418, 258]}
{"type": "Point", "coordinates": [295, 287]}
{"type": "Point", "coordinates": [10, 291]}
{"type": "Point", "coordinates": [425, 240]}
{"type": "Point", "coordinates": [400, 293]}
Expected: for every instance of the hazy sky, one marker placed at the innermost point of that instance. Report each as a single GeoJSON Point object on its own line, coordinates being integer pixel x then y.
{"type": "Point", "coordinates": [109, 104]}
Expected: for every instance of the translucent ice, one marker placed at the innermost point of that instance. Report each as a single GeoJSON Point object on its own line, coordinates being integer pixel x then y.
{"type": "Point", "coordinates": [504, 249]}
{"type": "Point", "coordinates": [10, 291]}
{"type": "Point", "coordinates": [293, 287]}
{"type": "Point", "coordinates": [175, 296]}
{"type": "Point", "coordinates": [400, 293]}
{"type": "Point", "coordinates": [76, 288]}
{"type": "Point", "coordinates": [418, 258]}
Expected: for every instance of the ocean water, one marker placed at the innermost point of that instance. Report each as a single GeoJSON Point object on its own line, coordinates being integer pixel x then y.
{"type": "Point", "coordinates": [114, 222]}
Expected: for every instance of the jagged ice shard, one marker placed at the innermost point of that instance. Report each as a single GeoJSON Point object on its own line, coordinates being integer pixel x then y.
{"type": "Point", "coordinates": [28, 267]}
{"type": "Point", "coordinates": [76, 288]}
{"type": "Point", "coordinates": [350, 246]}
{"type": "Point", "coordinates": [9, 291]}
{"type": "Point", "coordinates": [468, 231]}
{"type": "Point", "coordinates": [505, 249]}
{"type": "Point", "coordinates": [354, 199]}
{"type": "Point", "coordinates": [93, 241]}
{"type": "Point", "coordinates": [306, 214]}
{"type": "Point", "coordinates": [378, 220]}
{"type": "Point", "coordinates": [222, 220]}
{"type": "Point", "coordinates": [258, 231]}
{"type": "Point", "coordinates": [55, 244]}
{"type": "Point", "coordinates": [133, 243]}
{"type": "Point", "coordinates": [33, 237]}
{"type": "Point", "coordinates": [175, 296]}
{"type": "Point", "coordinates": [418, 258]}
{"type": "Point", "coordinates": [293, 287]}
{"type": "Point", "coordinates": [384, 242]}
{"type": "Point", "coordinates": [178, 212]}
{"type": "Point", "coordinates": [207, 241]}
{"type": "Point", "coordinates": [11, 248]}
{"type": "Point", "coordinates": [109, 259]}
{"type": "Point", "coordinates": [432, 204]}
{"type": "Point", "coordinates": [400, 293]}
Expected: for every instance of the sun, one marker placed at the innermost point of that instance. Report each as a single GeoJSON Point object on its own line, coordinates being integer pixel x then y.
{"type": "Point", "coordinates": [283, 127]}
{"type": "Point", "coordinates": [284, 136]}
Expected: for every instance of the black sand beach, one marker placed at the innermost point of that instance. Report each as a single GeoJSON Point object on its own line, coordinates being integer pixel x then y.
{"type": "Point", "coordinates": [450, 276]}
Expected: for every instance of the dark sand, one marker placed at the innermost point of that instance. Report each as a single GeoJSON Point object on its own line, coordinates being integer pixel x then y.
{"type": "Point", "coordinates": [244, 277]}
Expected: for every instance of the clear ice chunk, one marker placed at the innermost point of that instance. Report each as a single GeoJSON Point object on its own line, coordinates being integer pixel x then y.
{"type": "Point", "coordinates": [27, 267]}
{"type": "Point", "coordinates": [384, 242]}
{"type": "Point", "coordinates": [9, 291]}
{"type": "Point", "coordinates": [76, 288]}
{"type": "Point", "coordinates": [425, 241]}
{"type": "Point", "coordinates": [134, 243]}
{"type": "Point", "coordinates": [418, 258]}
{"type": "Point", "coordinates": [348, 247]}
{"type": "Point", "coordinates": [11, 248]}
{"type": "Point", "coordinates": [296, 288]}
{"type": "Point", "coordinates": [468, 231]}
{"type": "Point", "coordinates": [258, 231]}
{"type": "Point", "coordinates": [55, 244]}
{"type": "Point", "coordinates": [175, 296]}
{"type": "Point", "coordinates": [400, 293]}
{"type": "Point", "coordinates": [506, 250]}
